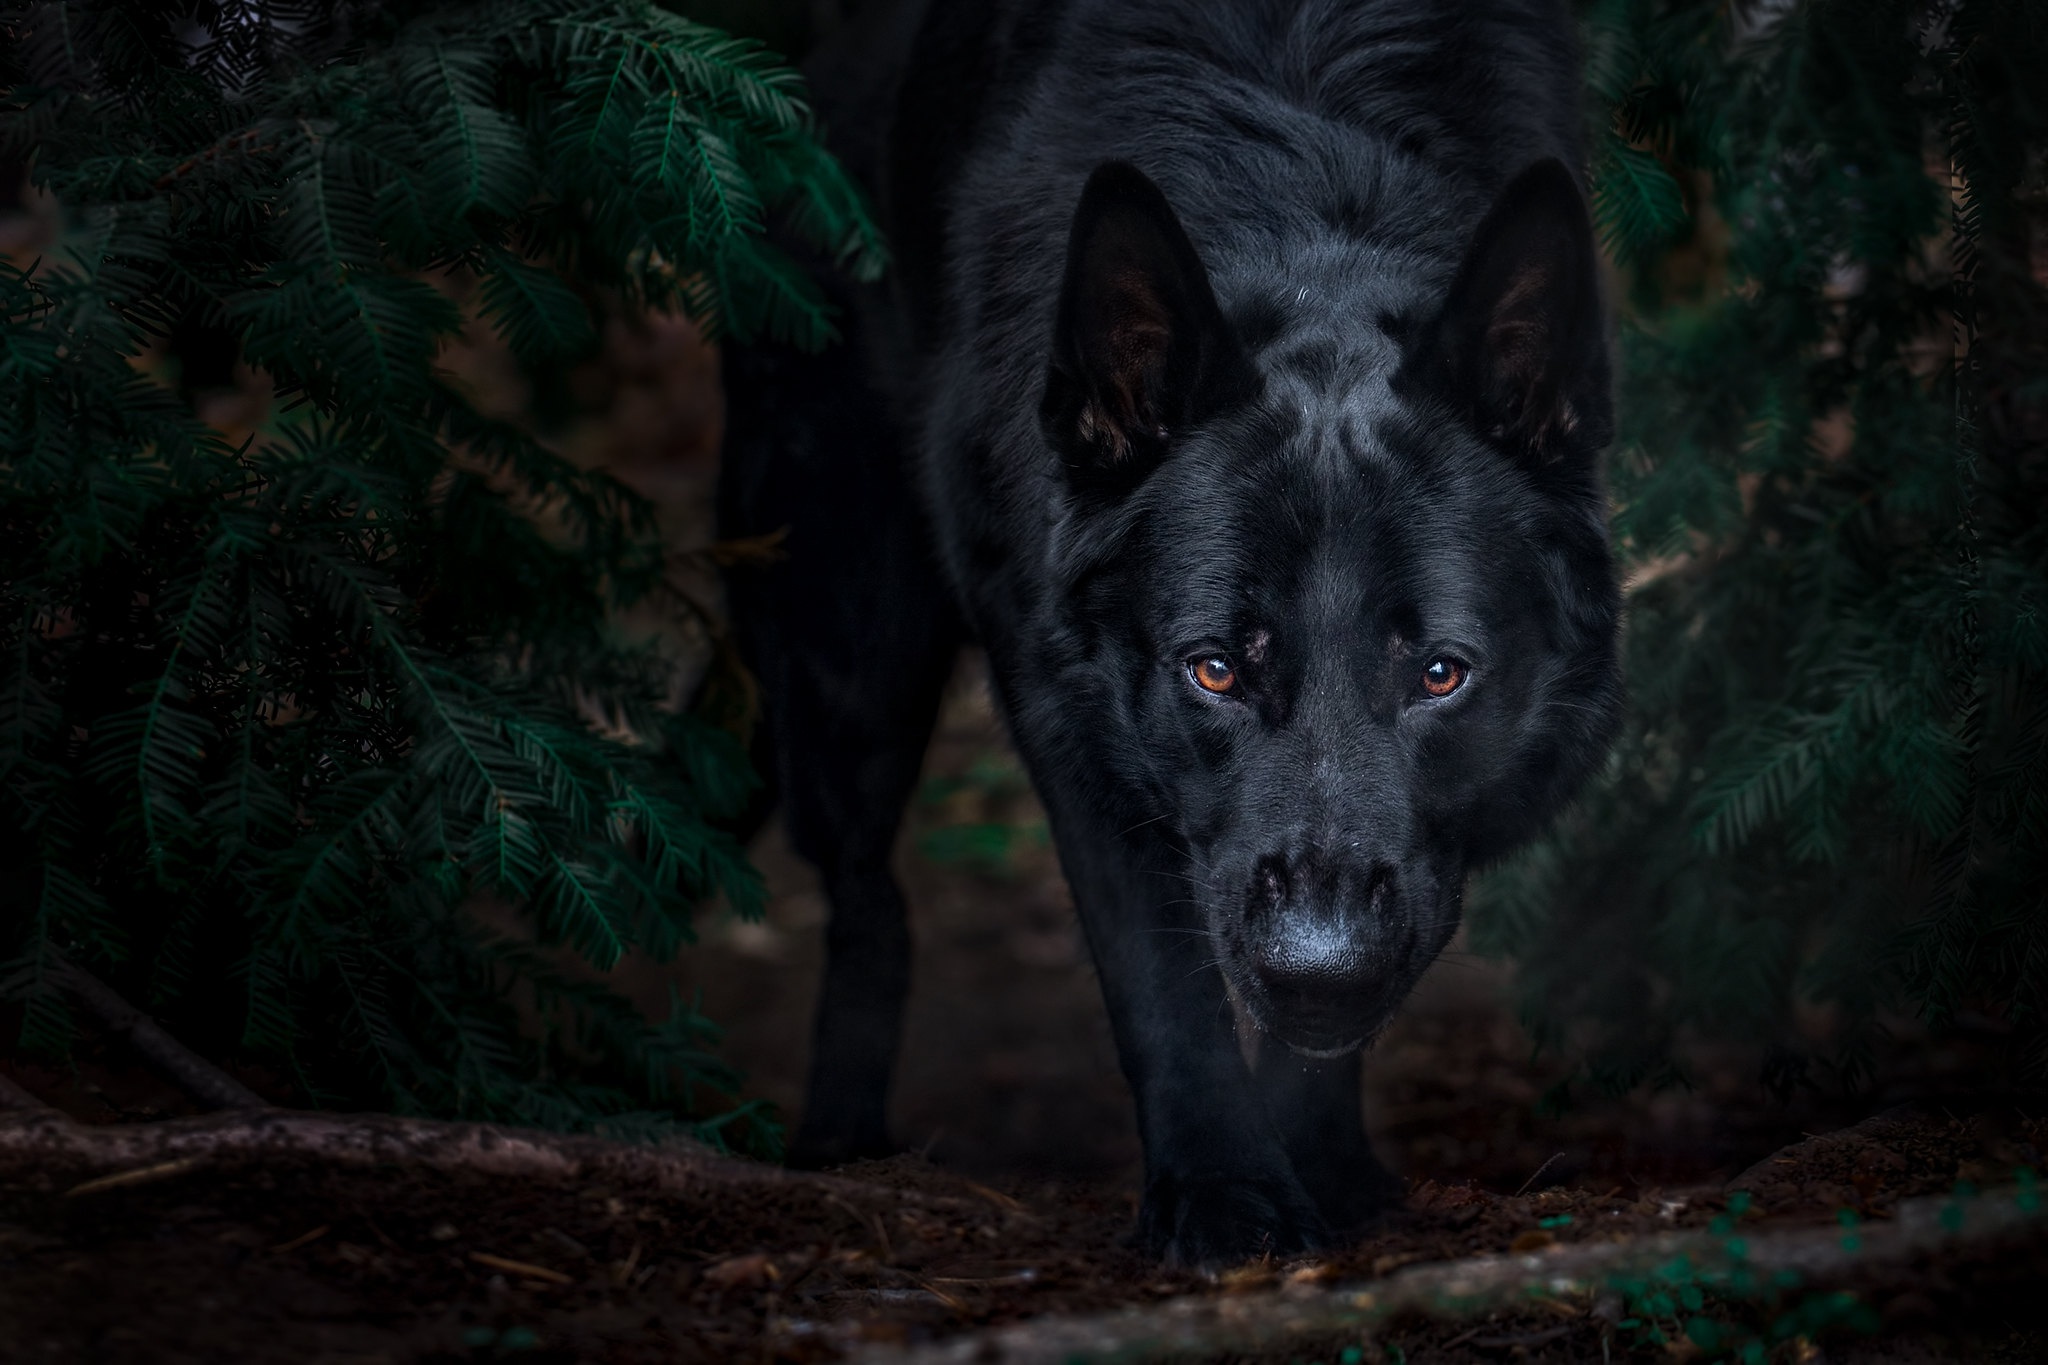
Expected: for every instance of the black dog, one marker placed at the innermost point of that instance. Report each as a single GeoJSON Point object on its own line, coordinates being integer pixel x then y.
{"type": "Point", "coordinates": [1240, 390]}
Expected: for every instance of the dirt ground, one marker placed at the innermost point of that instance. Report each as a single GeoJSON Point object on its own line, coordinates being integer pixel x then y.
{"type": "Point", "coordinates": [288, 1259]}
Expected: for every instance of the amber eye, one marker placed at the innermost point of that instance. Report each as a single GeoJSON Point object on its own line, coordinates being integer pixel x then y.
{"type": "Point", "coordinates": [1213, 674]}
{"type": "Point", "coordinates": [1443, 677]}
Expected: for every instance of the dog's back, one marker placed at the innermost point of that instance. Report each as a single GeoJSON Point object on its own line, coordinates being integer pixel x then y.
{"type": "Point", "coordinates": [1344, 148]}
{"type": "Point", "coordinates": [974, 122]}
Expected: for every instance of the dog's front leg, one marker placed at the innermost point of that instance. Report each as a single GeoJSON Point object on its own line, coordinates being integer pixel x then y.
{"type": "Point", "coordinates": [1316, 1107]}
{"type": "Point", "coordinates": [1218, 1184]}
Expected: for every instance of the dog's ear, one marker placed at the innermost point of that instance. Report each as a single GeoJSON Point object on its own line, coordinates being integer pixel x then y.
{"type": "Point", "coordinates": [1521, 343]}
{"type": "Point", "coordinates": [1140, 349]}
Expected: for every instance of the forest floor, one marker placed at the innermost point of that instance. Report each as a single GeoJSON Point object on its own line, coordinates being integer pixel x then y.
{"type": "Point", "coordinates": [1016, 1196]}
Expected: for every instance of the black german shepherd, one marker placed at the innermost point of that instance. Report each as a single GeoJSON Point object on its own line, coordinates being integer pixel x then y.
{"type": "Point", "coordinates": [1240, 390]}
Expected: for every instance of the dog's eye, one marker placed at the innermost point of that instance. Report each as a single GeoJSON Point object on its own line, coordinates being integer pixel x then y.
{"type": "Point", "coordinates": [1213, 673]}
{"type": "Point", "coordinates": [1443, 677]}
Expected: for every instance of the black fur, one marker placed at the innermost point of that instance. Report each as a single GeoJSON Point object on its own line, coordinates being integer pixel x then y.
{"type": "Point", "coordinates": [1258, 341]}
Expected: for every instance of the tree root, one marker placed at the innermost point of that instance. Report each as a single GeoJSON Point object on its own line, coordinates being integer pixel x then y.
{"type": "Point", "coordinates": [186, 1069]}
{"type": "Point", "coordinates": [13, 1097]}
{"type": "Point", "coordinates": [1895, 1125]}
{"type": "Point", "coordinates": [44, 1138]}
{"type": "Point", "coordinates": [1302, 1316]}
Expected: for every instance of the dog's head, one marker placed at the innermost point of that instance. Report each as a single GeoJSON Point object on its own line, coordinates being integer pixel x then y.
{"type": "Point", "coordinates": [1335, 577]}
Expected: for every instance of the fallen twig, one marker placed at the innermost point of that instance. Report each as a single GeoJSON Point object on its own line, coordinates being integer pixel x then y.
{"type": "Point", "coordinates": [189, 1071]}
{"type": "Point", "coordinates": [140, 1175]}
{"type": "Point", "coordinates": [46, 1138]}
{"type": "Point", "coordinates": [526, 1270]}
{"type": "Point", "coordinates": [303, 1239]}
{"type": "Point", "coordinates": [1280, 1322]}
{"type": "Point", "coordinates": [1537, 1174]}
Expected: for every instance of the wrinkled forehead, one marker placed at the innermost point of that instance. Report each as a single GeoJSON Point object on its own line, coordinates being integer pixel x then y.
{"type": "Point", "coordinates": [1346, 514]}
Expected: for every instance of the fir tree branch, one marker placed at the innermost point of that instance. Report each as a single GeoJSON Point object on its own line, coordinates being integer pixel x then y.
{"type": "Point", "coordinates": [364, 697]}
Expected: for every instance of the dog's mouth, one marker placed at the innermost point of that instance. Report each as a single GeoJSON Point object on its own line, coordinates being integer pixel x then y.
{"type": "Point", "coordinates": [1325, 1039]}
{"type": "Point", "coordinates": [1320, 1034]}
{"type": "Point", "coordinates": [1324, 1054]}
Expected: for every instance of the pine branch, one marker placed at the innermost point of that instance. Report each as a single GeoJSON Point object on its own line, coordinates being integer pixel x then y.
{"type": "Point", "coordinates": [1833, 645]}
{"type": "Point", "coordinates": [1637, 204]}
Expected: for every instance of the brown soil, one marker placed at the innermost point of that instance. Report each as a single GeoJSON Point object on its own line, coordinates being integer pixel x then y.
{"type": "Point", "coordinates": [294, 1259]}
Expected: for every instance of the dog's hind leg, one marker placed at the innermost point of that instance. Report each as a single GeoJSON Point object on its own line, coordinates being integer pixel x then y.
{"type": "Point", "coordinates": [851, 636]}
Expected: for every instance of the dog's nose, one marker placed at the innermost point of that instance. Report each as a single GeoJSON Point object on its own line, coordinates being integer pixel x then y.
{"type": "Point", "coordinates": [1309, 968]}
{"type": "Point", "coordinates": [1312, 932]}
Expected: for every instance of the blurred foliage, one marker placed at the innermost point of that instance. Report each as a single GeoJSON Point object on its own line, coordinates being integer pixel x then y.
{"type": "Point", "coordinates": [275, 712]}
{"type": "Point", "coordinates": [788, 26]}
{"type": "Point", "coordinates": [1830, 804]}
{"type": "Point", "coordinates": [985, 820]}
{"type": "Point", "coordinates": [1728, 1309]}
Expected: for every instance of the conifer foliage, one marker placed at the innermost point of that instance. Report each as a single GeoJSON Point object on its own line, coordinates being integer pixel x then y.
{"type": "Point", "coordinates": [1831, 801]}
{"type": "Point", "coordinates": [271, 711]}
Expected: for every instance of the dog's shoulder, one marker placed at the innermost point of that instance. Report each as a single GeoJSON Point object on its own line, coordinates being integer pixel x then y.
{"type": "Point", "coordinates": [967, 68]}
{"type": "Point", "coordinates": [957, 112]}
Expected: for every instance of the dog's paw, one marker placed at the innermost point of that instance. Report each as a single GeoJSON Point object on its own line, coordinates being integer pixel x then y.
{"type": "Point", "coordinates": [1220, 1218]}
{"type": "Point", "coordinates": [1353, 1192]}
{"type": "Point", "coordinates": [817, 1149]}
